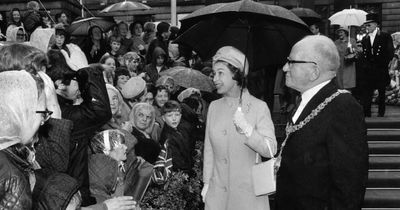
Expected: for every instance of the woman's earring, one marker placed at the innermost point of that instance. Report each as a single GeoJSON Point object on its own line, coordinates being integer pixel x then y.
{"type": "Point", "coordinates": [42, 123]}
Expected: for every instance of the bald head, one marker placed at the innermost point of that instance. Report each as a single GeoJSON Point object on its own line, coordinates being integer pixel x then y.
{"type": "Point", "coordinates": [312, 60]}
{"type": "Point", "coordinates": [320, 49]}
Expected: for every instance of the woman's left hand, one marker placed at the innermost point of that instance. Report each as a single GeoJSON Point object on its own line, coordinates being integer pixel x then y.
{"type": "Point", "coordinates": [241, 123]}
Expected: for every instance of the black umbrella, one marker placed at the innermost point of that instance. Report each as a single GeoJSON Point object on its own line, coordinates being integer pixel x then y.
{"type": "Point", "coordinates": [265, 33]}
{"type": "Point", "coordinates": [309, 16]}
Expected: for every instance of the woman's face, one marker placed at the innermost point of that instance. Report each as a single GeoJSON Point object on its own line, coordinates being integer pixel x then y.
{"type": "Point", "coordinates": [96, 33]}
{"type": "Point", "coordinates": [33, 124]}
{"type": "Point", "coordinates": [110, 63]}
{"type": "Point", "coordinates": [149, 98]}
{"type": "Point", "coordinates": [133, 64]}
{"type": "Point", "coordinates": [20, 36]}
{"type": "Point", "coordinates": [138, 29]}
{"type": "Point", "coordinates": [122, 79]}
{"type": "Point", "coordinates": [123, 30]}
{"type": "Point", "coordinates": [16, 16]}
{"type": "Point", "coordinates": [115, 46]}
{"type": "Point", "coordinates": [60, 39]}
{"type": "Point", "coordinates": [114, 103]}
{"type": "Point", "coordinates": [143, 119]}
{"type": "Point", "coordinates": [223, 78]}
{"type": "Point", "coordinates": [161, 97]}
{"type": "Point", "coordinates": [119, 152]}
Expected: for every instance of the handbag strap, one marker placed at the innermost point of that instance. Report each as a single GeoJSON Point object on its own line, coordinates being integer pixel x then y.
{"type": "Point", "coordinates": [258, 156]}
{"type": "Point", "coordinates": [293, 128]}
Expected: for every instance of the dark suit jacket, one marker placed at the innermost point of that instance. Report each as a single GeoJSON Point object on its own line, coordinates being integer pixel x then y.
{"type": "Point", "coordinates": [375, 59]}
{"type": "Point", "coordinates": [325, 164]}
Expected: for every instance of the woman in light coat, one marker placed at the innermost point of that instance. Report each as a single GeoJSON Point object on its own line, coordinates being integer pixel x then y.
{"type": "Point", "coordinates": [233, 137]}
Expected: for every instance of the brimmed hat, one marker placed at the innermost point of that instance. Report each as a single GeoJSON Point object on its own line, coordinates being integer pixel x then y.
{"type": "Point", "coordinates": [133, 87]}
{"type": "Point", "coordinates": [342, 29]}
{"type": "Point", "coordinates": [234, 57]}
{"type": "Point", "coordinates": [372, 17]}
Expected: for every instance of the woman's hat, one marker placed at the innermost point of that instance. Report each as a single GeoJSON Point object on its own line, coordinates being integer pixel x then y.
{"type": "Point", "coordinates": [133, 87]}
{"type": "Point", "coordinates": [234, 57]}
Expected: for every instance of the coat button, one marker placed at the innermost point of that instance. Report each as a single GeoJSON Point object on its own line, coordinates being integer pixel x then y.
{"type": "Point", "coordinates": [225, 161]}
{"type": "Point", "coordinates": [224, 132]}
{"type": "Point", "coordinates": [225, 189]}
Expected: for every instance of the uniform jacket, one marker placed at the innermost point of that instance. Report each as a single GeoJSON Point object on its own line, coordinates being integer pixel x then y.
{"type": "Point", "coordinates": [325, 164]}
{"type": "Point", "coordinates": [376, 58]}
{"type": "Point", "coordinates": [229, 155]}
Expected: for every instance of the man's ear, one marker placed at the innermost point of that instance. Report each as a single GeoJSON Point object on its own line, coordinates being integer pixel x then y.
{"type": "Point", "coordinates": [163, 117]}
{"type": "Point", "coordinates": [315, 73]}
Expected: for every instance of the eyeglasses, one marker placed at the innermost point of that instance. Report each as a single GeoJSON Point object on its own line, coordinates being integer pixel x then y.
{"type": "Point", "coordinates": [290, 62]}
{"type": "Point", "coordinates": [46, 114]}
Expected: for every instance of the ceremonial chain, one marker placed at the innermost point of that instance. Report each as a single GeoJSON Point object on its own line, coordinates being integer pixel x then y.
{"type": "Point", "coordinates": [292, 128]}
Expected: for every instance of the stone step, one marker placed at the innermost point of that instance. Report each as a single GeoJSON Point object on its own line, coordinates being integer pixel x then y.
{"type": "Point", "coordinates": [382, 198]}
{"type": "Point", "coordinates": [390, 161]}
{"type": "Point", "coordinates": [384, 178]}
{"type": "Point", "coordinates": [385, 122]}
{"type": "Point", "coordinates": [382, 134]}
{"type": "Point", "coordinates": [384, 147]}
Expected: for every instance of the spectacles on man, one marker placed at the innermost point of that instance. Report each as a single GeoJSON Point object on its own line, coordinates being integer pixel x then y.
{"type": "Point", "coordinates": [290, 62]}
{"type": "Point", "coordinates": [46, 114]}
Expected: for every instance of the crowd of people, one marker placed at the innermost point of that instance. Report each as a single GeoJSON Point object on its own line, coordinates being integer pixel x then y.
{"type": "Point", "coordinates": [93, 123]}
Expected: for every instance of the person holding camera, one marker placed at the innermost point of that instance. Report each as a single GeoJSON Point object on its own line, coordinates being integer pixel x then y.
{"type": "Point", "coordinates": [83, 99]}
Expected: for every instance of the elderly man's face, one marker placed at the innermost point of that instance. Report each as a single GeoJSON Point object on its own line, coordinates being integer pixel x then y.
{"type": "Point", "coordinates": [298, 68]}
{"type": "Point", "coordinates": [370, 27]}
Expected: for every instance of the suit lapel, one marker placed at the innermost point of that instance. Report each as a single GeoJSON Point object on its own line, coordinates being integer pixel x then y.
{"type": "Point", "coordinates": [317, 99]}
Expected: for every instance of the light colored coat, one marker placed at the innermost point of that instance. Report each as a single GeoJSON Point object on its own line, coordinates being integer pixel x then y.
{"type": "Point", "coordinates": [229, 155]}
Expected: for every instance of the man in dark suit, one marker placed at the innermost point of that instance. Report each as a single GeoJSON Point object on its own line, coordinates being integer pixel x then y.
{"type": "Point", "coordinates": [324, 164]}
{"type": "Point", "coordinates": [377, 52]}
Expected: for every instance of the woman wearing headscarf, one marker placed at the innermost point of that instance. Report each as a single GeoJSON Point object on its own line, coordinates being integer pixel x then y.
{"type": "Point", "coordinates": [142, 118]}
{"type": "Point", "coordinates": [23, 108]}
{"type": "Point", "coordinates": [17, 34]}
{"type": "Point", "coordinates": [235, 133]}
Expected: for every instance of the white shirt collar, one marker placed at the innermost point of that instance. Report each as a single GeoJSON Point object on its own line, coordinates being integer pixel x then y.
{"type": "Point", "coordinates": [306, 97]}
{"type": "Point", "coordinates": [372, 36]}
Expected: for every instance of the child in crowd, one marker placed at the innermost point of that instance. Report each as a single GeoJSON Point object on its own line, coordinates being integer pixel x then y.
{"type": "Point", "coordinates": [158, 64]}
{"type": "Point", "coordinates": [115, 45]}
{"type": "Point", "coordinates": [177, 146]}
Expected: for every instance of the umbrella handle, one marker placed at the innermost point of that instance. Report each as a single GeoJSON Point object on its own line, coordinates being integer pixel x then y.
{"type": "Point", "coordinates": [244, 66]}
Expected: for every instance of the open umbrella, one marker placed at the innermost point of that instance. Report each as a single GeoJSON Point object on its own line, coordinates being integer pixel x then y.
{"type": "Point", "coordinates": [81, 27]}
{"type": "Point", "coordinates": [265, 33]}
{"type": "Point", "coordinates": [124, 8]}
{"type": "Point", "coordinates": [308, 15]}
{"type": "Point", "coordinates": [187, 77]}
{"type": "Point", "coordinates": [349, 17]}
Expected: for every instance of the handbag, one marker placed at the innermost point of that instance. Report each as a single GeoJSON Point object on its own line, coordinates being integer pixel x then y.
{"type": "Point", "coordinates": [263, 174]}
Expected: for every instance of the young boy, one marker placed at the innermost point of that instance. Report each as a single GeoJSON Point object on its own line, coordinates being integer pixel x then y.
{"type": "Point", "coordinates": [177, 146]}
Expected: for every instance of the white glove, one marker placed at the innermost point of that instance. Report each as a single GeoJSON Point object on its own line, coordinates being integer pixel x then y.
{"type": "Point", "coordinates": [241, 123]}
{"type": "Point", "coordinates": [77, 58]}
{"type": "Point", "coordinates": [204, 192]}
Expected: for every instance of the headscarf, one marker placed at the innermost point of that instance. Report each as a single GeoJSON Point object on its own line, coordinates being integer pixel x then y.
{"type": "Point", "coordinates": [123, 109]}
{"type": "Point", "coordinates": [13, 33]}
{"type": "Point", "coordinates": [106, 141]}
{"type": "Point", "coordinates": [17, 107]}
